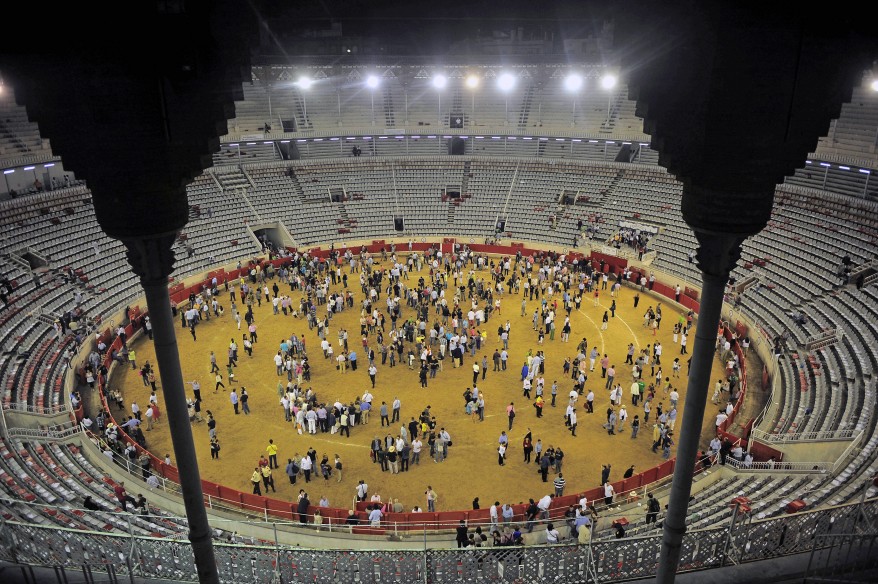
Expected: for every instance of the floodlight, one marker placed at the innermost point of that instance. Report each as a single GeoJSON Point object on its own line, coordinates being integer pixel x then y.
{"type": "Point", "coordinates": [608, 81]}
{"type": "Point", "coordinates": [573, 82]}
{"type": "Point", "coordinates": [472, 81]}
{"type": "Point", "coordinates": [506, 81]}
{"type": "Point", "coordinates": [874, 85]}
{"type": "Point", "coordinates": [440, 81]}
{"type": "Point", "coordinates": [305, 82]}
{"type": "Point", "coordinates": [372, 81]}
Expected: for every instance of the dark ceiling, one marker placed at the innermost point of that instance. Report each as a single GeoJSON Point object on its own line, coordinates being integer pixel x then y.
{"type": "Point", "coordinates": [734, 95]}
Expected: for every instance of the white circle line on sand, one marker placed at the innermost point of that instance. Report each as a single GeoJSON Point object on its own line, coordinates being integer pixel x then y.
{"type": "Point", "coordinates": [600, 332]}
{"type": "Point", "coordinates": [636, 341]}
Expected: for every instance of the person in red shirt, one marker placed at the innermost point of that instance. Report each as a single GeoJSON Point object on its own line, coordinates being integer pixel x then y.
{"type": "Point", "coordinates": [123, 497]}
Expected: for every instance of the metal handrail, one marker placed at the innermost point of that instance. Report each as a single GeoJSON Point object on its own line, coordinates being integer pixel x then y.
{"type": "Point", "coordinates": [798, 437]}
{"type": "Point", "coordinates": [45, 433]}
{"type": "Point", "coordinates": [779, 467]}
{"type": "Point", "coordinates": [558, 131]}
{"type": "Point", "coordinates": [62, 408]}
{"type": "Point", "coordinates": [616, 560]}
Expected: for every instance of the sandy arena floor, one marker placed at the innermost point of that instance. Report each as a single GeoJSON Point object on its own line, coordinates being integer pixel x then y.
{"type": "Point", "coordinates": [471, 469]}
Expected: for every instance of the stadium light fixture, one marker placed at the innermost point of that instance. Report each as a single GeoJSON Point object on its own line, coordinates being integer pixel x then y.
{"type": "Point", "coordinates": [440, 81]}
{"type": "Point", "coordinates": [472, 81]}
{"type": "Point", "coordinates": [874, 85]}
{"type": "Point", "coordinates": [573, 82]}
{"type": "Point", "coordinates": [506, 81]}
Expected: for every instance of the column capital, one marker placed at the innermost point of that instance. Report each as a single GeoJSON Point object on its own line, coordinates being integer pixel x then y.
{"type": "Point", "coordinates": [151, 257]}
{"type": "Point", "coordinates": [718, 253]}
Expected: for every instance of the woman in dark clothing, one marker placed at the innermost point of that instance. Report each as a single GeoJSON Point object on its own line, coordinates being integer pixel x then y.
{"type": "Point", "coordinates": [302, 509]}
{"type": "Point", "coordinates": [528, 447]}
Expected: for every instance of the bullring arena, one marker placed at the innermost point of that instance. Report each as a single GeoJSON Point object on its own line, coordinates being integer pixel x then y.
{"type": "Point", "coordinates": [318, 187]}
{"type": "Point", "coordinates": [473, 456]}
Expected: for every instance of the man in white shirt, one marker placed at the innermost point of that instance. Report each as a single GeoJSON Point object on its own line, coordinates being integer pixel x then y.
{"type": "Point", "coordinates": [609, 491]}
{"type": "Point", "coordinates": [306, 466]}
{"type": "Point", "coordinates": [543, 505]}
{"type": "Point", "coordinates": [397, 404]}
{"type": "Point", "coordinates": [150, 416]}
{"type": "Point", "coordinates": [362, 491]}
{"type": "Point", "coordinates": [416, 450]}
{"type": "Point", "coordinates": [494, 514]}
{"type": "Point", "coordinates": [715, 445]}
{"type": "Point", "coordinates": [285, 402]}
{"type": "Point", "coordinates": [552, 535]}
{"type": "Point", "coordinates": [375, 516]}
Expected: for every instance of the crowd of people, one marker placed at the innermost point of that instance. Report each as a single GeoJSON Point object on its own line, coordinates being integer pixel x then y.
{"type": "Point", "coordinates": [426, 325]}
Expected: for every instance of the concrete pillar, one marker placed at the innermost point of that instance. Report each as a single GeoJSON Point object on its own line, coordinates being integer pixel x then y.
{"type": "Point", "coordinates": [152, 259]}
{"type": "Point", "coordinates": [717, 256]}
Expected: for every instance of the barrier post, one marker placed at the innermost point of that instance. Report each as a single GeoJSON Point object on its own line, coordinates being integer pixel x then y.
{"type": "Point", "coordinates": [426, 565]}
{"type": "Point", "coordinates": [130, 550]}
{"type": "Point", "coordinates": [276, 552]}
{"type": "Point", "coordinates": [725, 553]}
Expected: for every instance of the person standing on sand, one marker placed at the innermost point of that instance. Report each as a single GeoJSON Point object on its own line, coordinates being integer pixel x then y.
{"type": "Point", "coordinates": [527, 446]}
